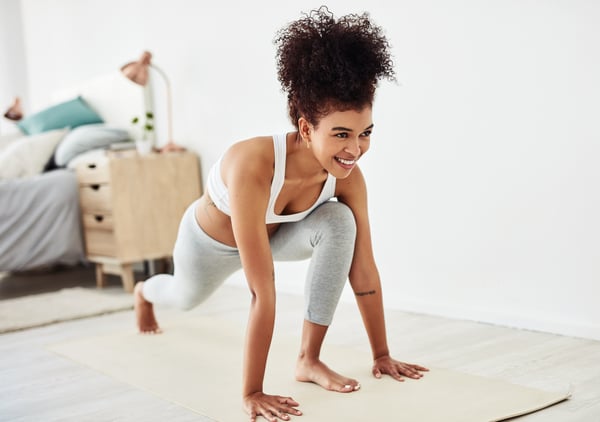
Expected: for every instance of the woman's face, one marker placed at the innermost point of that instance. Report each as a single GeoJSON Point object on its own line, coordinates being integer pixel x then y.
{"type": "Point", "coordinates": [339, 139]}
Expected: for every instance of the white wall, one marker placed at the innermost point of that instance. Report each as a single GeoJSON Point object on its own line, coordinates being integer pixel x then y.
{"type": "Point", "coordinates": [483, 168]}
{"type": "Point", "coordinates": [13, 69]}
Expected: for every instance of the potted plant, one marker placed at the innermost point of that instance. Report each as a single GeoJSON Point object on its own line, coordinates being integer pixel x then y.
{"type": "Point", "coordinates": [145, 141]}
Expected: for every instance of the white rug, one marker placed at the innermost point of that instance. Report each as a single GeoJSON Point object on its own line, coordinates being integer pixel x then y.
{"type": "Point", "coordinates": [196, 363]}
{"type": "Point", "coordinates": [64, 305]}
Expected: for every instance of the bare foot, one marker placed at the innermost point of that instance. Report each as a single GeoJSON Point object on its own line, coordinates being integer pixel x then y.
{"type": "Point", "coordinates": [319, 373]}
{"type": "Point", "coordinates": [144, 312]}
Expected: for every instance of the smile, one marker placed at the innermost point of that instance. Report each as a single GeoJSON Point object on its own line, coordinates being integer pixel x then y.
{"type": "Point", "coordinates": [345, 162]}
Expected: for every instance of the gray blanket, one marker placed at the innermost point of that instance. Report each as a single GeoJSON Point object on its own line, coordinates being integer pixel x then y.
{"type": "Point", "coordinates": [40, 222]}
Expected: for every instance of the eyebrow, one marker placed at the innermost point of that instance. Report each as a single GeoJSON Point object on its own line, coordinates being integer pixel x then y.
{"type": "Point", "coordinates": [350, 130]}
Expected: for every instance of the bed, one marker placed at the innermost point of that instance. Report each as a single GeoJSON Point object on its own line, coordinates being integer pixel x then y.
{"type": "Point", "coordinates": [40, 223]}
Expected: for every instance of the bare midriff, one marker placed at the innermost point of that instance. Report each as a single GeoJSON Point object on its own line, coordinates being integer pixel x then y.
{"type": "Point", "coordinates": [217, 224]}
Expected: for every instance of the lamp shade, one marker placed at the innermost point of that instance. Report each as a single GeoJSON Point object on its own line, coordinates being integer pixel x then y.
{"type": "Point", "coordinates": [15, 112]}
{"type": "Point", "coordinates": [138, 71]}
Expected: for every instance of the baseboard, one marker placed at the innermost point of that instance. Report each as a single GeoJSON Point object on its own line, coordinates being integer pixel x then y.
{"type": "Point", "coordinates": [507, 319]}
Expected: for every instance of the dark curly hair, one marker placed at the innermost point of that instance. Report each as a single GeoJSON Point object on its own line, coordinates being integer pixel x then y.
{"type": "Point", "coordinates": [325, 64]}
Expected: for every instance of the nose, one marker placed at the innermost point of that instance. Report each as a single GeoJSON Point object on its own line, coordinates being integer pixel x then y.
{"type": "Point", "coordinates": [353, 147]}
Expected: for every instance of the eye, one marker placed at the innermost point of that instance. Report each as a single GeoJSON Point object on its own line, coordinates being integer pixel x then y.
{"type": "Point", "coordinates": [341, 135]}
{"type": "Point", "coordinates": [366, 133]}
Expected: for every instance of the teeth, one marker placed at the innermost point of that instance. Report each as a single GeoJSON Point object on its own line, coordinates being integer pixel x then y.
{"type": "Point", "coordinates": [346, 162]}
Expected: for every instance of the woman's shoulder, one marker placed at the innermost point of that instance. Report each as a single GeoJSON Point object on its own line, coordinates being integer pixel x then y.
{"type": "Point", "coordinates": [257, 149]}
{"type": "Point", "coordinates": [255, 145]}
{"type": "Point", "coordinates": [252, 156]}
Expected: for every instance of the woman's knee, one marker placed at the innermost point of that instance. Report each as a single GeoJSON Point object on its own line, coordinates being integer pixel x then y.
{"type": "Point", "coordinates": [186, 301]}
{"type": "Point", "coordinates": [336, 219]}
{"type": "Point", "coordinates": [174, 292]}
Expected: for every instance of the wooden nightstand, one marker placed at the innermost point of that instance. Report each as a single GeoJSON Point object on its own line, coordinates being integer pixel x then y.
{"type": "Point", "coordinates": [131, 206]}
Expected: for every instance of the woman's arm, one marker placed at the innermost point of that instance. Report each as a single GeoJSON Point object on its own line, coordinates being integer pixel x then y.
{"type": "Point", "coordinates": [364, 276]}
{"type": "Point", "coordinates": [249, 192]}
{"type": "Point", "coordinates": [246, 173]}
{"type": "Point", "coordinates": [365, 281]}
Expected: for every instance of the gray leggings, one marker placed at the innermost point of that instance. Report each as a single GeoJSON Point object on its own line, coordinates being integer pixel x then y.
{"type": "Point", "coordinates": [202, 264]}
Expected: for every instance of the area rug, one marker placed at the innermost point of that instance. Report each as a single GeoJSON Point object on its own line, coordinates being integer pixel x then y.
{"type": "Point", "coordinates": [197, 363]}
{"type": "Point", "coordinates": [63, 305]}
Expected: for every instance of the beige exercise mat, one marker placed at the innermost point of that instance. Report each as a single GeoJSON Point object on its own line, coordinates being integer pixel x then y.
{"type": "Point", "coordinates": [196, 363]}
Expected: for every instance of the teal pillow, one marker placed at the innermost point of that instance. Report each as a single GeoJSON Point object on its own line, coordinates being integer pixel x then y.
{"type": "Point", "coordinates": [69, 114]}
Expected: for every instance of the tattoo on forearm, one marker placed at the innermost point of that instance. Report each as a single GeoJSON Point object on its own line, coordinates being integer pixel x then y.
{"type": "Point", "coordinates": [370, 292]}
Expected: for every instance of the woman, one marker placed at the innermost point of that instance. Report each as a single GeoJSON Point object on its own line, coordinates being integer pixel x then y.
{"type": "Point", "coordinates": [270, 198]}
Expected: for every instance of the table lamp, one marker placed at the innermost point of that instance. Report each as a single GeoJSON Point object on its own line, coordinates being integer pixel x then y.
{"type": "Point", "coordinates": [137, 72]}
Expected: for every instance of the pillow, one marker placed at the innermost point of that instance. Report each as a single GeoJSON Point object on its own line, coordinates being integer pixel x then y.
{"type": "Point", "coordinates": [97, 156]}
{"type": "Point", "coordinates": [27, 156]}
{"type": "Point", "coordinates": [69, 114]}
{"type": "Point", "coordinates": [85, 138]}
{"type": "Point", "coordinates": [6, 140]}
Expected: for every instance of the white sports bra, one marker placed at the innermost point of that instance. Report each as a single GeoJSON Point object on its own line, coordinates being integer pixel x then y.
{"type": "Point", "coordinates": [220, 195]}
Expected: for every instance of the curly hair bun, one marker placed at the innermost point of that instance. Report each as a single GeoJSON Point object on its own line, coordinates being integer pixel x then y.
{"type": "Point", "coordinates": [324, 63]}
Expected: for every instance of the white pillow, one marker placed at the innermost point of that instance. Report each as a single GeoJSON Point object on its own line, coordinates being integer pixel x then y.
{"type": "Point", "coordinates": [6, 140]}
{"type": "Point", "coordinates": [27, 156]}
{"type": "Point", "coordinates": [87, 137]}
{"type": "Point", "coordinates": [97, 156]}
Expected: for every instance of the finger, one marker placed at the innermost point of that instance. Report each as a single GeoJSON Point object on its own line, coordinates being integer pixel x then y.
{"type": "Point", "coordinates": [412, 374]}
{"type": "Point", "coordinates": [290, 405]}
{"type": "Point", "coordinates": [376, 372]}
{"type": "Point", "coordinates": [419, 367]}
{"type": "Point", "coordinates": [283, 415]}
{"type": "Point", "coordinates": [284, 412]}
{"type": "Point", "coordinates": [289, 410]}
{"type": "Point", "coordinates": [408, 371]}
{"type": "Point", "coordinates": [392, 372]}
{"type": "Point", "coordinates": [293, 411]}
{"type": "Point", "coordinates": [396, 375]}
{"type": "Point", "coordinates": [265, 413]}
{"type": "Point", "coordinates": [288, 400]}
{"type": "Point", "coordinates": [268, 415]}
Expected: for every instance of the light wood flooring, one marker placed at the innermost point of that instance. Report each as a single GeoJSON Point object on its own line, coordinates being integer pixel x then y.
{"type": "Point", "coordinates": [37, 385]}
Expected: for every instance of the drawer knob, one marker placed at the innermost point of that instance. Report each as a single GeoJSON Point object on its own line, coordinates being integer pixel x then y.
{"type": "Point", "coordinates": [92, 166]}
{"type": "Point", "coordinates": [99, 218]}
{"type": "Point", "coordinates": [95, 186]}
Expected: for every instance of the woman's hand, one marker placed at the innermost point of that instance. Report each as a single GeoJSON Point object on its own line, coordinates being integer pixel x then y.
{"type": "Point", "coordinates": [270, 407]}
{"type": "Point", "coordinates": [396, 369]}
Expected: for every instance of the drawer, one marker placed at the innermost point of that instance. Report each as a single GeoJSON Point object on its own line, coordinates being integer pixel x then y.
{"type": "Point", "coordinates": [95, 197]}
{"type": "Point", "coordinates": [100, 243]}
{"type": "Point", "coordinates": [98, 221]}
{"type": "Point", "coordinates": [96, 171]}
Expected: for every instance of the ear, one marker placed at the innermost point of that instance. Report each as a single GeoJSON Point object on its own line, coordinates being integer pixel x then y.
{"type": "Point", "coordinates": [304, 128]}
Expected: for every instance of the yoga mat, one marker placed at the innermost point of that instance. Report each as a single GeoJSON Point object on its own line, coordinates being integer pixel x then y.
{"type": "Point", "coordinates": [197, 363]}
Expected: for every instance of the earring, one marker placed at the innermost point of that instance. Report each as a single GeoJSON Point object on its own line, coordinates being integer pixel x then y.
{"type": "Point", "coordinates": [306, 140]}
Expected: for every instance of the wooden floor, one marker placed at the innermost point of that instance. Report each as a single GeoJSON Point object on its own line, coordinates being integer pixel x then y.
{"type": "Point", "coordinates": [37, 385]}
